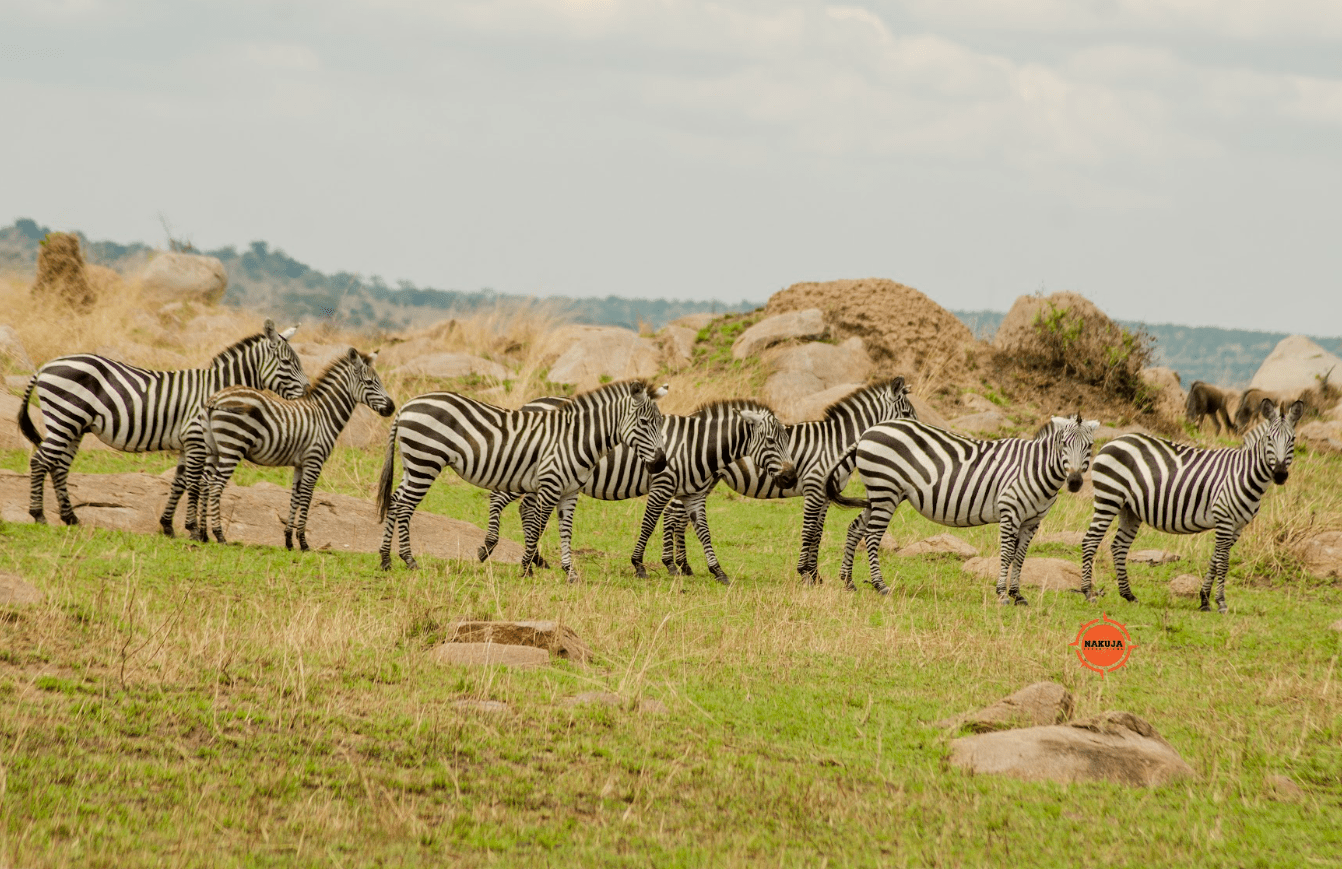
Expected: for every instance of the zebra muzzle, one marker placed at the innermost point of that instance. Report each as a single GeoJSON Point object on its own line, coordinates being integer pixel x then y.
{"type": "Point", "coordinates": [787, 477]}
{"type": "Point", "coordinates": [1280, 476]}
{"type": "Point", "coordinates": [658, 463]}
{"type": "Point", "coordinates": [1074, 481]}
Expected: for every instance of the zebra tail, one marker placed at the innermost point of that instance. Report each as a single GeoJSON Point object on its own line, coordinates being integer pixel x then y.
{"type": "Point", "coordinates": [25, 422]}
{"type": "Point", "coordinates": [388, 471]}
{"type": "Point", "coordinates": [834, 491]}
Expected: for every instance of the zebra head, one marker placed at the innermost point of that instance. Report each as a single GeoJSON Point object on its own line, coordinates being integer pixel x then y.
{"type": "Point", "coordinates": [1075, 439]}
{"type": "Point", "coordinates": [370, 390]}
{"type": "Point", "coordinates": [894, 399]}
{"type": "Point", "coordinates": [1276, 437]}
{"type": "Point", "coordinates": [640, 426]}
{"type": "Point", "coordinates": [278, 368]}
{"type": "Point", "coordinates": [768, 446]}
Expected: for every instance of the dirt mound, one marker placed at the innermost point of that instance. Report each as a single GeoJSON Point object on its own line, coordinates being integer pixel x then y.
{"type": "Point", "coordinates": [60, 270]}
{"type": "Point", "coordinates": [905, 331]}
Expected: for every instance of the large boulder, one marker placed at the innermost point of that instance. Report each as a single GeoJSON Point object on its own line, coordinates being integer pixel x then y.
{"type": "Point", "coordinates": [1321, 554]}
{"type": "Point", "coordinates": [1170, 396]}
{"type": "Point", "coordinates": [795, 325]}
{"type": "Point", "coordinates": [1324, 434]}
{"type": "Point", "coordinates": [695, 322]}
{"type": "Point", "coordinates": [587, 356]}
{"type": "Point", "coordinates": [802, 371]}
{"type": "Point", "coordinates": [12, 354]}
{"type": "Point", "coordinates": [1037, 705]}
{"type": "Point", "coordinates": [1114, 746]}
{"type": "Point", "coordinates": [678, 346]}
{"type": "Point", "coordinates": [985, 422]}
{"type": "Point", "coordinates": [185, 277]}
{"type": "Point", "coordinates": [1295, 365]}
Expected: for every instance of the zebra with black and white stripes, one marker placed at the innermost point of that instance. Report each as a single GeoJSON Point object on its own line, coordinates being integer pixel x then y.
{"type": "Point", "coordinates": [1180, 489]}
{"type": "Point", "coordinates": [815, 446]}
{"type": "Point", "coordinates": [244, 423]}
{"type": "Point", "coordinates": [699, 448]}
{"type": "Point", "coordinates": [137, 410]}
{"type": "Point", "coordinates": [964, 482]}
{"type": "Point", "coordinates": [548, 454]}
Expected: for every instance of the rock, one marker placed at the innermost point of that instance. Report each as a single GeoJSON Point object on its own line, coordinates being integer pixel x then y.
{"type": "Point", "coordinates": [888, 543]}
{"type": "Point", "coordinates": [174, 276]}
{"type": "Point", "coordinates": [940, 543]}
{"type": "Point", "coordinates": [813, 406]}
{"type": "Point", "coordinates": [251, 514]}
{"type": "Point", "coordinates": [1050, 574]}
{"type": "Point", "coordinates": [16, 591]}
{"type": "Point", "coordinates": [1324, 434]}
{"type": "Point", "coordinates": [489, 654]}
{"type": "Point", "coordinates": [1153, 556]}
{"type": "Point", "coordinates": [801, 372]}
{"type": "Point", "coordinates": [926, 414]}
{"type": "Point", "coordinates": [1170, 395]}
{"type": "Point", "coordinates": [1295, 365]}
{"type": "Point", "coordinates": [648, 706]}
{"type": "Point", "coordinates": [678, 346]}
{"type": "Point", "coordinates": [12, 352]}
{"type": "Point", "coordinates": [1040, 704]}
{"type": "Point", "coordinates": [1283, 789]}
{"type": "Point", "coordinates": [446, 366]}
{"type": "Point", "coordinates": [1066, 538]}
{"type": "Point", "coordinates": [987, 422]}
{"type": "Point", "coordinates": [695, 322]}
{"type": "Point", "coordinates": [591, 355]}
{"type": "Point", "coordinates": [1321, 554]}
{"type": "Point", "coordinates": [1113, 746]}
{"type": "Point", "coordinates": [1017, 331]}
{"type": "Point", "coordinates": [976, 403]}
{"type": "Point", "coordinates": [1186, 585]}
{"type": "Point", "coordinates": [490, 706]}
{"type": "Point", "coordinates": [804, 325]}
{"type": "Point", "coordinates": [1336, 626]}
{"type": "Point", "coordinates": [549, 635]}
{"type": "Point", "coordinates": [593, 698]}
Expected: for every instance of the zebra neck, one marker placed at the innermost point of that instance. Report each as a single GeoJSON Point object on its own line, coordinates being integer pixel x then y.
{"type": "Point", "coordinates": [334, 396]}
{"type": "Point", "coordinates": [1253, 460]}
{"type": "Point", "coordinates": [230, 371]}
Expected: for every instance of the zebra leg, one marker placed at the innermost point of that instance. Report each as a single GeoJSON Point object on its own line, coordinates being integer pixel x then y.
{"type": "Point", "coordinates": [222, 473]}
{"type": "Point", "coordinates": [528, 506]}
{"type": "Point", "coordinates": [673, 518]}
{"type": "Point", "coordinates": [812, 527]}
{"type": "Point", "coordinates": [1090, 544]}
{"type": "Point", "coordinates": [1226, 536]}
{"type": "Point", "coordinates": [60, 473]}
{"type": "Point", "coordinates": [38, 468]}
{"type": "Point", "coordinates": [1023, 538]}
{"type": "Point", "coordinates": [300, 500]}
{"type": "Point", "coordinates": [1128, 526]}
{"type": "Point", "coordinates": [179, 485]}
{"type": "Point", "coordinates": [565, 509]}
{"type": "Point", "coordinates": [699, 516]}
{"type": "Point", "coordinates": [877, 522]}
{"type": "Point", "coordinates": [533, 525]}
{"type": "Point", "coordinates": [497, 501]}
{"type": "Point", "coordinates": [652, 511]}
{"type": "Point", "coordinates": [856, 531]}
{"type": "Point", "coordinates": [1008, 538]}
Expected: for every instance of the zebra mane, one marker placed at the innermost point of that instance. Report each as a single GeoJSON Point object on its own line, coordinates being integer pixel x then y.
{"type": "Point", "coordinates": [340, 362]}
{"type": "Point", "coordinates": [709, 407]}
{"type": "Point", "coordinates": [593, 397]}
{"type": "Point", "coordinates": [834, 409]}
{"type": "Point", "coordinates": [237, 348]}
{"type": "Point", "coordinates": [1047, 428]}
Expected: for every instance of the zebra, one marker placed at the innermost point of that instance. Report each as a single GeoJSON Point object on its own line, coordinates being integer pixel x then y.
{"type": "Point", "coordinates": [963, 482]}
{"type": "Point", "coordinates": [137, 410]}
{"type": "Point", "coordinates": [243, 423]}
{"type": "Point", "coordinates": [815, 446]}
{"type": "Point", "coordinates": [549, 454]}
{"type": "Point", "coordinates": [1181, 489]}
{"type": "Point", "coordinates": [699, 447]}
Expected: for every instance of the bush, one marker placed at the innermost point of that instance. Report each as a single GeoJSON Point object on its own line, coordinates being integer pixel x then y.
{"type": "Point", "coordinates": [1094, 350]}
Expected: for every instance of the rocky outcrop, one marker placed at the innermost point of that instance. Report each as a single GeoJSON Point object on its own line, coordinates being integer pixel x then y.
{"type": "Point", "coordinates": [1037, 705]}
{"type": "Point", "coordinates": [587, 356]}
{"type": "Point", "coordinates": [799, 373]}
{"type": "Point", "coordinates": [985, 422]}
{"type": "Point", "coordinates": [1295, 365]}
{"type": "Point", "coordinates": [1114, 746]}
{"type": "Point", "coordinates": [794, 325]}
{"type": "Point", "coordinates": [678, 346]}
{"type": "Point", "coordinates": [1321, 555]}
{"type": "Point", "coordinates": [1018, 329]}
{"type": "Point", "coordinates": [1323, 434]}
{"type": "Point", "coordinates": [190, 277]}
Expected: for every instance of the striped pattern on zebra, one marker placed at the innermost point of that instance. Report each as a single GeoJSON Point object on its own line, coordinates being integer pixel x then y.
{"type": "Point", "coordinates": [244, 423]}
{"type": "Point", "coordinates": [815, 447]}
{"type": "Point", "coordinates": [137, 410]}
{"type": "Point", "coordinates": [549, 454]}
{"type": "Point", "coordinates": [963, 482]}
{"type": "Point", "coordinates": [699, 447]}
{"type": "Point", "coordinates": [1181, 489]}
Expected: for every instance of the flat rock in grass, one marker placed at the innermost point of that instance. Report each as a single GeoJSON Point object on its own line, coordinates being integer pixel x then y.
{"type": "Point", "coordinates": [1050, 574]}
{"type": "Point", "coordinates": [1282, 789]}
{"type": "Point", "coordinates": [16, 591]}
{"type": "Point", "coordinates": [1185, 585]}
{"type": "Point", "coordinates": [593, 698]}
{"type": "Point", "coordinates": [1113, 746]}
{"type": "Point", "coordinates": [1066, 538]}
{"type": "Point", "coordinates": [940, 543]}
{"type": "Point", "coordinates": [1153, 556]}
{"type": "Point", "coordinates": [1321, 555]}
{"type": "Point", "coordinates": [648, 706]}
{"type": "Point", "coordinates": [1039, 704]}
{"type": "Point", "coordinates": [551, 636]}
{"type": "Point", "coordinates": [1336, 626]}
{"type": "Point", "coordinates": [489, 654]}
{"type": "Point", "coordinates": [492, 706]}
{"type": "Point", "coordinates": [251, 514]}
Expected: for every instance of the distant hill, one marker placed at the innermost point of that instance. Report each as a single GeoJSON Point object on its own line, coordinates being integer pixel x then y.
{"type": "Point", "coordinates": [1227, 357]}
{"type": "Point", "coordinates": [268, 280]}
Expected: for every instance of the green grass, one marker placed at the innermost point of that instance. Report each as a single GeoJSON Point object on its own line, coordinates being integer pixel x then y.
{"type": "Point", "coordinates": [170, 704]}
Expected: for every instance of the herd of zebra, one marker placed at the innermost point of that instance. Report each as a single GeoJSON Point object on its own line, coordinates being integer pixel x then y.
{"type": "Point", "coordinates": [255, 402]}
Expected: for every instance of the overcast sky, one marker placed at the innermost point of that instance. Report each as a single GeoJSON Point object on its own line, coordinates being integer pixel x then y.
{"type": "Point", "coordinates": [1173, 160]}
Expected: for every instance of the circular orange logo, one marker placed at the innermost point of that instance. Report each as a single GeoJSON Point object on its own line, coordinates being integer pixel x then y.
{"type": "Point", "coordinates": [1103, 645]}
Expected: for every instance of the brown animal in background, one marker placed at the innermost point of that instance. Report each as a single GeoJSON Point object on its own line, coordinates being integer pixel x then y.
{"type": "Point", "coordinates": [1207, 400]}
{"type": "Point", "coordinates": [1250, 408]}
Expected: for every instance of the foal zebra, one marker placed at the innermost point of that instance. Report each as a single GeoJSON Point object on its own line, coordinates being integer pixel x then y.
{"type": "Point", "coordinates": [699, 448]}
{"type": "Point", "coordinates": [137, 410]}
{"type": "Point", "coordinates": [1180, 489]}
{"type": "Point", "coordinates": [815, 447]}
{"type": "Point", "coordinates": [243, 423]}
{"type": "Point", "coordinates": [963, 482]}
{"type": "Point", "coordinates": [549, 454]}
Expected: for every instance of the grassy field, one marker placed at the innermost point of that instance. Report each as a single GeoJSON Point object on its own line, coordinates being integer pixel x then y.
{"type": "Point", "coordinates": [177, 705]}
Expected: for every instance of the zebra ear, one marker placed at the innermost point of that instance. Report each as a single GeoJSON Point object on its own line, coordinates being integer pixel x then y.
{"type": "Point", "coordinates": [1295, 411]}
{"type": "Point", "coordinates": [287, 333]}
{"type": "Point", "coordinates": [270, 329]}
{"type": "Point", "coordinates": [1091, 425]}
{"type": "Point", "coordinates": [354, 355]}
{"type": "Point", "coordinates": [754, 417]}
{"type": "Point", "coordinates": [897, 385]}
{"type": "Point", "coordinates": [1268, 409]}
{"type": "Point", "coordinates": [659, 391]}
{"type": "Point", "coordinates": [372, 357]}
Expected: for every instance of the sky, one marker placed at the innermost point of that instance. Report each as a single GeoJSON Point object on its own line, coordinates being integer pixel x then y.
{"type": "Point", "coordinates": [1173, 160]}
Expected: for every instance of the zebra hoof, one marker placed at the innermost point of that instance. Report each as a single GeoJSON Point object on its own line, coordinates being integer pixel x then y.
{"type": "Point", "coordinates": [883, 590]}
{"type": "Point", "coordinates": [573, 577]}
{"type": "Point", "coordinates": [1020, 601]}
{"type": "Point", "coordinates": [483, 552]}
{"type": "Point", "coordinates": [671, 569]}
{"type": "Point", "coordinates": [1130, 597]}
{"type": "Point", "coordinates": [1205, 608]}
{"type": "Point", "coordinates": [166, 528]}
{"type": "Point", "coordinates": [541, 563]}
{"type": "Point", "coordinates": [1222, 609]}
{"type": "Point", "coordinates": [1004, 600]}
{"type": "Point", "coordinates": [685, 569]}
{"type": "Point", "coordinates": [719, 574]}
{"type": "Point", "coordinates": [303, 543]}
{"type": "Point", "coordinates": [386, 561]}
{"type": "Point", "coordinates": [410, 562]}
{"type": "Point", "coordinates": [39, 517]}
{"type": "Point", "coordinates": [640, 571]}
{"type": "Point", "coordinates": [70, 518]}
{"type": "Point", "coordinates": [219, 535]}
